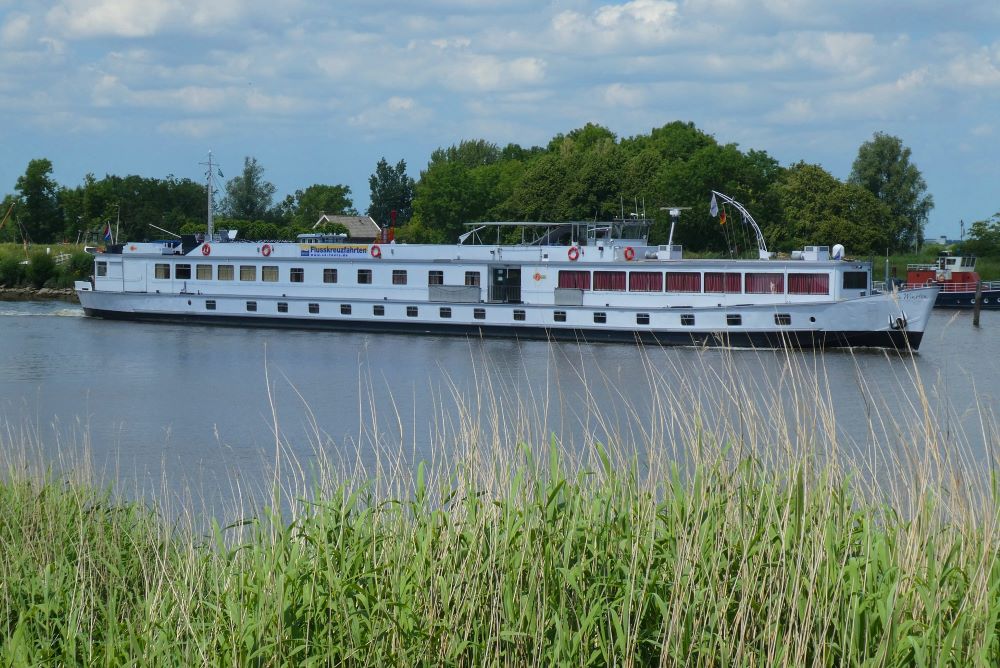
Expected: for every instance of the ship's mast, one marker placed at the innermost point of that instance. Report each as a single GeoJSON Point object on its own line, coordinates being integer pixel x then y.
{"type": "Point", "coordinates": [209, 178]}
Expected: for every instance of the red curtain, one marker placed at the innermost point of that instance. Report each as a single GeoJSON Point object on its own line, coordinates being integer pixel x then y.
{"type": "Point", "coordinates": [645, 281]}
{"type": "Point", "coordinates": [808, 284]}
{"type": "Point", "coordinates": [765, 284]}
{"type": "Point", "coordinates": [722, 282]}
{"type": "Point", "coordinates": [609, 280]}
{"type": "Point", "coordinates": [574, 279]}
{"type": "Point", "coordinates": [683, 281]}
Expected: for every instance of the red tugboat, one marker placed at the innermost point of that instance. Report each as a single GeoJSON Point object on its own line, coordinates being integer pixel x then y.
{"type": "Point", "coordinates": [958, 278]}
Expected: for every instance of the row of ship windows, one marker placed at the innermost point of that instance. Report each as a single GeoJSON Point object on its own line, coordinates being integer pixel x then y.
{"type": "Point", "coordinates": [269, 273]}
{"type": "Point", "coordinates": [708, 282]}
{"type": "Point", "coordinates": [610, 281]}
{"type": "Point", "coordinates": [600, 317]}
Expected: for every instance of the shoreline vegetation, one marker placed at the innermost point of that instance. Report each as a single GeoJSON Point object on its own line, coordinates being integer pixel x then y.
{"type": "Point", "coordinates": [727, 529]}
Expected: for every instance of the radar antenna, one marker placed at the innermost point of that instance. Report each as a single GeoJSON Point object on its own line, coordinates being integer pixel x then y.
{"type": "Point", "coordinates": [675, 215]}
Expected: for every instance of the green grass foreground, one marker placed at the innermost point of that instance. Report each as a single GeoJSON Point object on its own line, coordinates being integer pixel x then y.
{"type": "Point", "coordinates": [728, 564]}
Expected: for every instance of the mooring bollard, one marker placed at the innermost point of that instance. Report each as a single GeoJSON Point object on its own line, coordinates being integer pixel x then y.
{"type": "Point", "coordinates": [979, 303]}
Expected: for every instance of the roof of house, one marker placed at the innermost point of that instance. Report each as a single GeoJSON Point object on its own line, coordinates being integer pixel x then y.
{"type": "Point", "coordinates": [357, 226]}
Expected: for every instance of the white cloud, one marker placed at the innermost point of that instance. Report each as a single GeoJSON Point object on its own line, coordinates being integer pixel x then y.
{"type": "Point", "coordinates": [396, 113]}
{"type": "Point", "coordinates": [15, 30]}
{"type": "Point", "coordinates": [193, 128]}
{"type": "Point", "coordinates": [843, 52]}
{"type": "Point", "coordinates": [879, 101]}
{"type": "Point", "coordinates": [121, 18]}
{"type": "Point", "coordinates": [637, 23]}
{"type": "Point", "coordinates": [147, 18]}
{"type": "Point", "coordinates": [623, 95]}
{"type": "Point", "coordinates": [488, 73]}
{"type": "Point", "coordinates": [977, 69]}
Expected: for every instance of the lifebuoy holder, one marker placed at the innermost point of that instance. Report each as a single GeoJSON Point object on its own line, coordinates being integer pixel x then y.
{"type": "Point", "coordinates": [573, 253]}
{"type": "Point", "coordinates": [376, 251]}
{"type": "Point", "coordinates": [265, 250]}
{"type": "Point", "coordinates": [206, 249]}
{"type": "Point", "coordinates": [629, 253]}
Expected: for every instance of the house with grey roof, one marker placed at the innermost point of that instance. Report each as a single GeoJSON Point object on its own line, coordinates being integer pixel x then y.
{"type": "Point", "coordinates": [359, 228]}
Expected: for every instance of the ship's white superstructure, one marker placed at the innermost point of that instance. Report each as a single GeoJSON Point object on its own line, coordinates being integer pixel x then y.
{"type": "Point", "coordinates": [603, 284]}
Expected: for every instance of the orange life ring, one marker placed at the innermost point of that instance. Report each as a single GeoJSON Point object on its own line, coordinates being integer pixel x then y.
{"type": "Point", "coordinates": [265, 250]}
{"type": "Point", "coordinates": [629, 253]}
{"type": "Point", "coordinates": [376, 252]}
{"type": "Point", "coordinates": [206, 249]}
{"type": "Point", "coordinates": [573, 253]}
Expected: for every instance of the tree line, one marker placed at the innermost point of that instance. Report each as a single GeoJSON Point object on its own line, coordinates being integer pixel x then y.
{"type": "Point", "coordinates": [586, 174]}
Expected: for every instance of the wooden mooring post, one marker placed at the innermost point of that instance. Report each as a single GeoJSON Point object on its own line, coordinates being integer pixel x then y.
{"type": "Point", "coordinates": [979, 304]}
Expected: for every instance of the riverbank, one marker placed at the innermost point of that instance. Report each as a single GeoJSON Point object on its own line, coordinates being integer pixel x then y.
{"type": "Point", "coordinates": [733, 565]}
{"type": "Point", "coordinates": [22, 294]}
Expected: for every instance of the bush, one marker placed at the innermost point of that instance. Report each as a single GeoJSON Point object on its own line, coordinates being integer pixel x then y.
{"type": "Point", "coordinates": [41, 268]}
{"type": "Point", "coordinates": [79, 267]}
{"type": "Point", "coordinates": [11, 271]}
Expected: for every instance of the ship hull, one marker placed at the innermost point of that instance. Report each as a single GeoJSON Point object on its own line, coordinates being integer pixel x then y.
{"type": "Point", "coordinates": [863, 314]}
{"type": "Point", "coordinates": [967, 300]}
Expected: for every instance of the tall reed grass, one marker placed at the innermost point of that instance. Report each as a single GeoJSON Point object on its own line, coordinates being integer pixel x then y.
{"type": "Point", "coordinates": [728, 524]}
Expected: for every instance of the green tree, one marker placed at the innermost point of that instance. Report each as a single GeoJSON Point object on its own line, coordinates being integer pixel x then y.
{"type": "Point", "coordinates": [391, 189]}
{"type": "Point", "coordinates": [673, 141]}
{"type": "Point", "coordinates": [248, 196]}
{"type": "Point", "coordinates": [470, 153]}
{"type": "Point", "coordinates": [133, 205]}
{"type": "Point", "coordinates": [883, 167]}
{"type": "Point", "coordinates": [820, 209]}
{"type": "Point", "coordinates": [462, 184]}
{"type": "Point", "coordinates": [538, 195]}
{"type": "Point", "coordinates": [445, 199]}
{"type": "Point", "coordinates": [40, 214]}
{"type": "Point", "coordinates": [306, 206]}
{"type": "Point", "coordinates": [984, 237]}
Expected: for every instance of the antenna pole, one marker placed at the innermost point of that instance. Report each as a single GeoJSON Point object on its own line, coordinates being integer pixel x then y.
{"type": "Point", "coordinates": [211, 198]}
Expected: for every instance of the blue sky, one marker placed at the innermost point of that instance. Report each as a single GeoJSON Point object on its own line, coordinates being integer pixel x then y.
{"type": "Point", "coordinates": [319, 90]}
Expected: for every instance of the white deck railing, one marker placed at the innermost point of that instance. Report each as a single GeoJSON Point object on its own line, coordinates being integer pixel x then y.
{"type": "Point", "coordinates": [879, 286]}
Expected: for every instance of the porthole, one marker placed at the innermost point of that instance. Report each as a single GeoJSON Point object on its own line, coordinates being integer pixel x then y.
{"type": "Point", "coordinates": [812, 318]}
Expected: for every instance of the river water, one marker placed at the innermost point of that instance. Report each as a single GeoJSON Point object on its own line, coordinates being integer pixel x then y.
{"type": "Point", "coordinates": [193, 411]}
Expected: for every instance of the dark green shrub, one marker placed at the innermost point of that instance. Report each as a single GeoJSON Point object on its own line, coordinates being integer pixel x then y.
{"type": "Point", "coordinates": [80, 266]}
{"type": "Point", "coordinates": [41, 268]}
{"type": "Point", "coordinates": [11, 271]}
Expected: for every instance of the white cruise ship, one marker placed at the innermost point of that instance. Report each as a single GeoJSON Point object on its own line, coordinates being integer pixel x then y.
{"type": "Point", "coordinates": [602, 282]}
